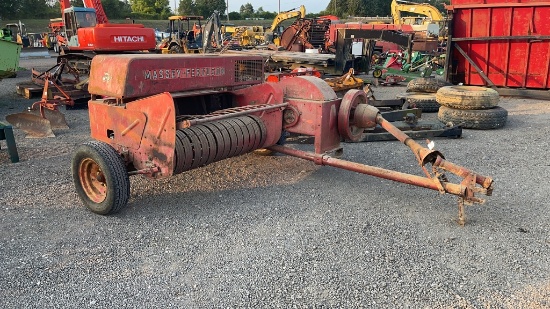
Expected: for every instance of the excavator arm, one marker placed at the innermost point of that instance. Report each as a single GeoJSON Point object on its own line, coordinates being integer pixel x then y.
{"type": "Point", "coordinates": [301, 12]}
{"type": "Point", "coordinates": [64, 4]}
{"type": "Point", "coordinates": [99, 11]}
{"type": "Point", "coordinates": [101, 17]}
{"type": "Point", "coordinates": [416, 8]}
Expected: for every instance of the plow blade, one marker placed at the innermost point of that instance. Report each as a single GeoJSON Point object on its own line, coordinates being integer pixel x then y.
{"type": "Point", "coordinates": [56, 118]}
{"type": "Point", "coordinates": [35, 126]}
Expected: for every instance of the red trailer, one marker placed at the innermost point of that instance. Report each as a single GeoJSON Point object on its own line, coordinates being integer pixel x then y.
{"type": "Point", "coordinates": [500, 43]}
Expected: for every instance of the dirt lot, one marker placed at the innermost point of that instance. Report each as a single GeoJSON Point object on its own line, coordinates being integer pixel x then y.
{"type": "Point", "coordinates": [277, 231]}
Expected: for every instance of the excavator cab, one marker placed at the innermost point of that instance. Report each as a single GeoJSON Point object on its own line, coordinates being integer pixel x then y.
{"type": "Point", "coordinates": [75, 18]}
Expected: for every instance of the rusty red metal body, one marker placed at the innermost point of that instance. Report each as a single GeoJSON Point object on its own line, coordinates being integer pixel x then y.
{"type": "Point", "coordinates": [131, 76]}
{"type": "Point", "coordinates": [166, 125]}
{"type": "Point", "coordinates": [500, 43]}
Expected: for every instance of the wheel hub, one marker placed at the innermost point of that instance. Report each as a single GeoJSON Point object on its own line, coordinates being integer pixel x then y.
{"type": "Point", "coordinates": [92, 180]}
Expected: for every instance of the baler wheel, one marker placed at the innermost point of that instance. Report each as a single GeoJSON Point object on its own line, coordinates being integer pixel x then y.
{"type": "Point", "coordinates": [100, 178]}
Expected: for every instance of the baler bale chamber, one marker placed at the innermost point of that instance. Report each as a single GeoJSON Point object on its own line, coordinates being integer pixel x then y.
{"type": "Point", "coordinates": [161, 115]}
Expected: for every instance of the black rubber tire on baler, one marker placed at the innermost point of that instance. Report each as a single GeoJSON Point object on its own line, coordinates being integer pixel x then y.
{"type": "Point", "coordinates": [424, 101]}
{"type": "Point", "coordinates": [116, 179]}
{"type": "Point", "coordinates": [467, 97]}
{"type": "Point", "coordinates": [481, 119]}
{"type": "Point", "coordinates": [426, 84]}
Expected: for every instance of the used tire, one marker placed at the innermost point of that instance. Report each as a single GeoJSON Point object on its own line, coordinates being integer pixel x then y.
{"type": "Point", "coordinates": [467, 97]}
{"type": "Point", "coordinates": [481, 119]}
{"type": "Point", "coordinates": [426, 84]}
{"type": "Point", "coordinates": [100, 177]}
{"type": "Point", "coordinates": [424, 101]}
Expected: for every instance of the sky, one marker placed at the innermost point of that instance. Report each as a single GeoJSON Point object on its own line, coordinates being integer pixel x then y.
{"type": "Point", "coordinates": [312, 6]}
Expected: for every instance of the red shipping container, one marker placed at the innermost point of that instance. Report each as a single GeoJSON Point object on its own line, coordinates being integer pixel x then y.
{"type": "Point", "coordinates": [507, 40]}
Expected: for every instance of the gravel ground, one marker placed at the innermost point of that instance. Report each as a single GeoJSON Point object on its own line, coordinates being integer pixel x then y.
{"type": "Point", "coordinates": [278, 231]}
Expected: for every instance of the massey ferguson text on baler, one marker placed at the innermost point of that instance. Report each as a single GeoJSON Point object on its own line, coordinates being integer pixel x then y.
{"type": "Point", "coordinates": [161, 115]}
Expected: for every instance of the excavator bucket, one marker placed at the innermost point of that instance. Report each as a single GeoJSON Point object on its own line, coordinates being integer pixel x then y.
{"type": "Point", "coordinates": [36, 126]}
{"type": "Point", "coordinates": [34, 52]}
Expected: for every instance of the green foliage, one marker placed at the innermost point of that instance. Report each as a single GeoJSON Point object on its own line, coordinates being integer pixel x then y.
{"type": "Point", "coordinates": [266, 15]}
{"type": "Point", "coordinates": [116, 9]}
{"type": "Point", "coordinates": [235, 16]}
{"type": "Point", "coordinates": [345, 8]}
{"type": "Point", "coordinates": [246, 10]}
{"type": "Point", "coordinates": [10, 9]}
{"type": "Point", "coordinates": [207, 7]}
{"type": "Point", "coordinates": [203, 8]}
{"type": "Point", "coordinates": [160, 9]}
{"type": "Point", "coordinates": [157, 9]}
{"type": "Point", "coordinates": [187, 7]}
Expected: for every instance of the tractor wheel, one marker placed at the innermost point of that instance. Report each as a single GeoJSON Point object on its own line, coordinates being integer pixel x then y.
{"type": "Point", "coordinates": [175, 49]}
{"type": "Point", "coordinates": [467, 97]}
{"type": "Point", "coordinates": [483, 119]}
{"type": "Point", "coordinates": [100, 178]}
{"type": "Point", "coordinates": [425, 101]}
{"type": "Point", "coordinates": [377, 73]}
{"type": "Point", "coordinates": [424, 84]}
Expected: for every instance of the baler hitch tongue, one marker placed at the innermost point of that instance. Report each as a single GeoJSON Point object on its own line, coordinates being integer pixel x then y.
{"type": "Point", "coordinates": [467, 188]}
{"type": "Point", "coordinates": [367, 116]}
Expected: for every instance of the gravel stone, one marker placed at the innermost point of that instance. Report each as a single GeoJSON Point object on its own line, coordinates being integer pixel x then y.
{"type": "Point", "coordinates": [277, 231]}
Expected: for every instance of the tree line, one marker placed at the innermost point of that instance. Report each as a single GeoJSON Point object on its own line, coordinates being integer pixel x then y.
{"type": "Point", "coordinates": [345, 8]}
{"type": "Point", "coordinates": [160, 9]}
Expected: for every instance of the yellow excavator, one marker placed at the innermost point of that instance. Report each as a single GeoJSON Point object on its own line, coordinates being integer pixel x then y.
{"type": "Point", "coordinates": [273, 33]}
{"type": "Point", "coordinates": [257, 35]}
{"type": "Point", "coordinates": [428, 19]}
{"type": "Point", "coordinates": [431, 13]}
{"type": "Point", "coordinates": [294, 13]}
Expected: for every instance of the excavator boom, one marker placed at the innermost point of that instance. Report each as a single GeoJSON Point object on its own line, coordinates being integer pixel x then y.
{"type": "Point", "coordinates": [100, 12]}
{"type": "Point", "coordinates": [300, 12]}
{"type": "Point", "coordinates": [424, 9]}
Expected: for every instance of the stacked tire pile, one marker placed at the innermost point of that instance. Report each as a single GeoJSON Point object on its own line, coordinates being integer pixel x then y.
{"type": "Point", "coordinates": [421, 93]}
{"type": "Point", "coordinates": [471, 107]}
